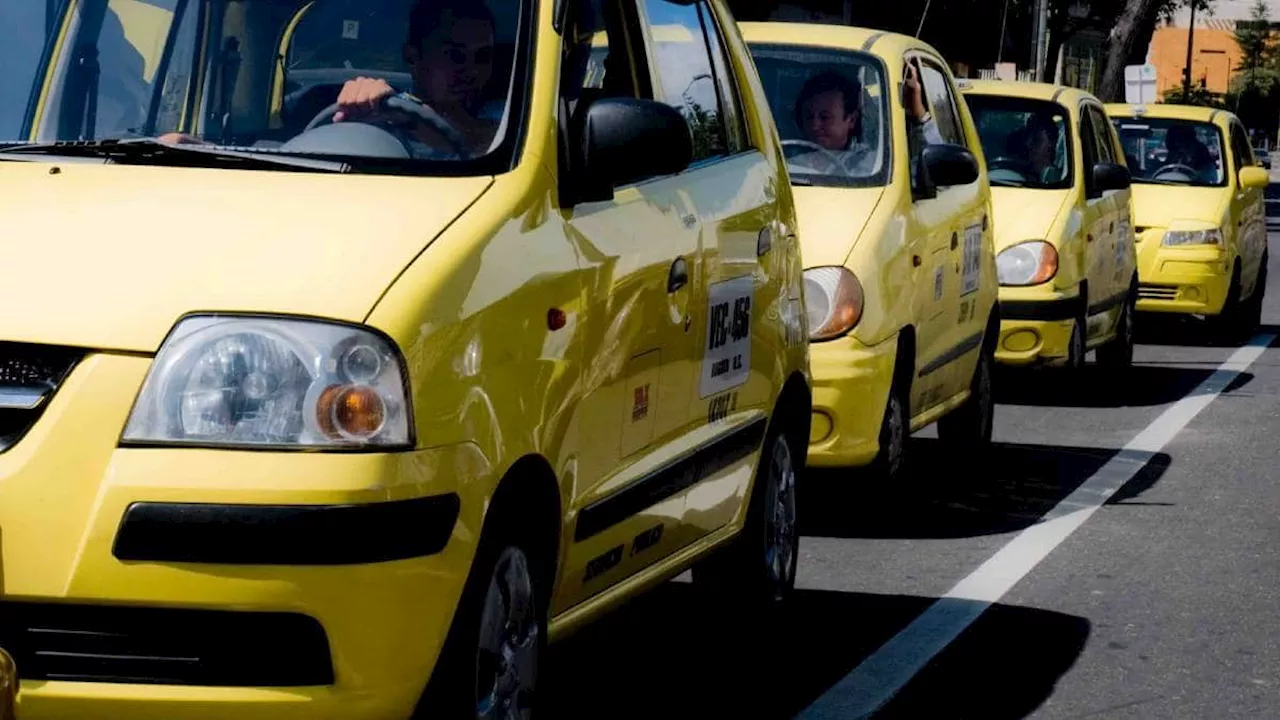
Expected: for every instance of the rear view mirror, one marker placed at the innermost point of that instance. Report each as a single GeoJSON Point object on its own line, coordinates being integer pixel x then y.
{"type": "Point", "coordinates": [950, 165]}
{"type": "Point", "coordinates": [624, 140]}
{"type": "Point", "coordinates": [1110, 176]}
{"type": "Point", "coordinates": [1254, 178]}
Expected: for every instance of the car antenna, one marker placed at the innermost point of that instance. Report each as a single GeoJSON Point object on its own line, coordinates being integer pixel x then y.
{"type": "Point", "coordinates": [923, 15]}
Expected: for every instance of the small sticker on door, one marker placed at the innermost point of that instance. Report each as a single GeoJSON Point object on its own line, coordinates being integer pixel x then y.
{"type": "Point", "coordinates": [350, 29]}
{"type": "Point", "coordinates": [727, 361]}
{"type": "Point", "coordinates": [972, 260]}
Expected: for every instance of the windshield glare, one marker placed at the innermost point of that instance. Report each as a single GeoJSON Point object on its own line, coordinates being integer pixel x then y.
{"type": "Point", "coordinates": [1180, 152]}
{"type": "Point", "coordinates": [255, 74]}
{"type": "Point", "coordinates": [829, 107]}
{"type": "Point", "coordinates": [1025, 141]}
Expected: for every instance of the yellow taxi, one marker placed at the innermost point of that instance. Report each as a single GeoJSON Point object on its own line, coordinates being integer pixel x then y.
{"type": "Point", "coordinates": [352, 351]}
{"type": "Point", "coordinates": [1199, 213]}
{"type": "Point", "coordinates": [896, 229]}
{"type": "Point", "coordinates": [1064, 239]}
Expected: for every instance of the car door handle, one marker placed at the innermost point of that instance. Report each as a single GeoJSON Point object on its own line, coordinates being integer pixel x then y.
{"type": "Point", "coordinates": [679, 275]}
{"type": "Point", "coordinates": [955, 241]}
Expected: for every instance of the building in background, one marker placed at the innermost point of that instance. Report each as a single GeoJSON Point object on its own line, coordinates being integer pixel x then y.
{"type": "Point", "coordinates": [1215, 55]}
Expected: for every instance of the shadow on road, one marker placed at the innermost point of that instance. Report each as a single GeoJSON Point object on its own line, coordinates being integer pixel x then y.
{"type": "Point", "coordinates": [671, 654]}
{"type": "Point", "coordinates": [1010, 492]}
{"type": "Point", "coordinates": [1005, 665]}
{"type": "Point", "coordinates": [1144, 385]}
{"type": "Point", "coordinates": [1185, 331]}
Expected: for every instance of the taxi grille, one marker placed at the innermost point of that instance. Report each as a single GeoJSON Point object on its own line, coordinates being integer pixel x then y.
{"type": "Point", "coordinates": [1158, 292]}
{"type": "Point", "coordinates": [29, 376]}
{"type": "Point", "coordinates": [164, 646]}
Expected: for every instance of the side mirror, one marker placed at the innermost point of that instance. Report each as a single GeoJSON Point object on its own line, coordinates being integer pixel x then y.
{"type": "Point", "coordinates": [1254, 178]}
{"type": "Point", "coordinates": [949, 165]}
{"type": "Point", "coordinates": [1110, 176]}
{"type": "Point", "coordinates": [623, 140]}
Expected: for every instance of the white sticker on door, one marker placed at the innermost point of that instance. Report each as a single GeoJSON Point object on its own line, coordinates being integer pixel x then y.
{"type": "Point", "coordinates": [937, 284]}
{"type": "Point", "coordinates": [727, 361]}
{"type": "Point", "coordinates": [972, 260]}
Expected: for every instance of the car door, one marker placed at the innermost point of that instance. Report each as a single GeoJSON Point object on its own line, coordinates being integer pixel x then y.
{"type": "Point", "coordinates": [1124, 257]}
{"type": "Point", "coordinates": [731, 189]}
{"type": "Point", "coordinates": [645, 302]}
{"type": "Point", "coordinates": [1096, 224]}
{"type": "Point", "coordinates": [1247, 214]}
{"type": "Point", "coordinates": [963, 222]}
{"type": "Point", "coordinates": [1106, 289]}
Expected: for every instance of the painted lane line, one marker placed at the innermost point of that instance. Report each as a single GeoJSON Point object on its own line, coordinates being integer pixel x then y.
{"type": "Point", "coordinates": [880, 676]}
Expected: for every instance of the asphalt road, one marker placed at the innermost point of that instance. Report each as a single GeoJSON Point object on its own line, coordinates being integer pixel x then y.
{"type": "Point", "coordinates": [1118, 559]}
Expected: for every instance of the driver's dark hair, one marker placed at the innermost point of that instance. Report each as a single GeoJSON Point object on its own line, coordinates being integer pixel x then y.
{"type": "Point", "coordinates": [826, 81]}
{"type": "Point", "coordinates": [427, 15]}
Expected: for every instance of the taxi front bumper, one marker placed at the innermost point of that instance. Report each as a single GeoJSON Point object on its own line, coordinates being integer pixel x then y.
{"type": "Point", "coordinates": [190, 583]}
{"type": "Point", "coordinates": [851, 384]}
{"type": "Point", "coordinates": [1189, 279]}
{"type": "Point", "coordinates": [1036, 329]}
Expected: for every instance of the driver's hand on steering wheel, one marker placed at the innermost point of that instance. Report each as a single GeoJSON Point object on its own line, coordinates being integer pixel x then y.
{"type": "Point", "coordinates": [362, 98]}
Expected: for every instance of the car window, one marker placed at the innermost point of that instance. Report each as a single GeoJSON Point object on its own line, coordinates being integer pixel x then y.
{"type": "Point", "coordinates": [726, 82]}
{"type": "Point", "coordinates": [1241, 148]}
{"type": "Point", "coordinates": [20, 57]}
{"type": "Point", "coordinates": [829, 106]}
{"type": "Point", "coordinates": [686, 80]}
{"type": "Point", "coordinates": [1026, 141]}
{"type": "Point", "coordinates": [256, 74]}
{"type": "Point", "coordinates": [1106, 151]}
{"type": "Point", "coordinates": [1167, 151]}
{"type": "Point", "coordinates": [941, 102]}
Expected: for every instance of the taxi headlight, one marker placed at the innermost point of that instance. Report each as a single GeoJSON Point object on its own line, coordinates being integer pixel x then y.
{"type": "Point", "coordinates": [1027, 263]}
{"type": "Point", "coordinates": [269, 382]}
{"type": "Point", "coordinates": [833, 301]}
{"type": "Point", "coordinates": [1211, 236]}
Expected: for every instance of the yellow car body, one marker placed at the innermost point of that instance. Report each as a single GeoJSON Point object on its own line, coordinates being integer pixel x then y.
{"type": "Point", "coordinates": [1064, 240]}
{"type": "Point", "coordinates": [921, 315]}
{"type": "Point", "coordinates": [592, 381]}
{"type": "Point", "coordinates": [1202, 238]}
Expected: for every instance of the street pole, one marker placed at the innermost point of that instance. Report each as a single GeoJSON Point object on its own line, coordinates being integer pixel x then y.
{"type": "Point", "coordinates": [1186, 73]}
{"type": "Point", "coordinates": [1003, 16]}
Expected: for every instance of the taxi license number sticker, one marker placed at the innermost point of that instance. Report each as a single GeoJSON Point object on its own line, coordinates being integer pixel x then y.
{"type": "Point", "coordinates": [727, 361]}
{"type": "Point", "coordinates": [972, 262]}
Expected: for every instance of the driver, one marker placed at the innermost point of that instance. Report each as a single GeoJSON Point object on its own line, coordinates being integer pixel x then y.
{"type": "Point", "coordinates": [829, 113]}
{"type": "Point", "coordinates": [449, 51]}
{"type": "Point", "coordinates": [1186, 149]}
{"type": "Point", "coordinates": [1038, 147]}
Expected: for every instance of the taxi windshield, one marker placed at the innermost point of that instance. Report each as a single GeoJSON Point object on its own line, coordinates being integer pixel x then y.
{"type": "Point", "coordinates": [263, 77]}
{"type": "Point", "coordinates": [830, 108]}
{"type": "Point", "coordinates": [1025, 141]}
{"type": "Point", "coordinates": [1172, 152]}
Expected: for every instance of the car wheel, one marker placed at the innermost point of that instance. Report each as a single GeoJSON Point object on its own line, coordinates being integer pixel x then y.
{"type": "Point", "coordinates": [1076, 349]}
{"type": "Point", "coordinates": [1229, 324]}
{"type": "Point", "coordinates": [759, 567]}
{"type": "Point", "coordinates": [968, 428]}
{"type": "Point", "coordinates": [890, 464]}
{"type": "Point", "coordinates": [489, 666]}
{"type": "Point", "coordinates": [1118, 354]}
{"type": "Point", "coordinates": [1253, 318]}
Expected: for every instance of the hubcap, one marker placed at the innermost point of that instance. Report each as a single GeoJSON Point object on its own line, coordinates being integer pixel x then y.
{"type": "Point", "coordinates": [1077, 347]}
{"type": "Point", "coordinates": [780, 518]}
{"type": "Point", "coordinates": [507, 657]}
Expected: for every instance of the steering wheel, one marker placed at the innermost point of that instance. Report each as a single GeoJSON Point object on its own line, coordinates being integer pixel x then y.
{"type": "Point", "coordinates": [1007, 162]}
{"type": "Point", "coordinates": [1187, 170]}
{"type": "Point", "coordinates": [835, 160]}
{"type": "Point", "coordinates": [420, 110]}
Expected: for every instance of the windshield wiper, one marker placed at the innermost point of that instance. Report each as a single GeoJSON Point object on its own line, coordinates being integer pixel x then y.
{"type": "Point", "coordinates": [149, 151]}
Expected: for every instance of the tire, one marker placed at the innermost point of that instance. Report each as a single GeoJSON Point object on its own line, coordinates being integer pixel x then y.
{"type": "Point", "coordinates": [1118, 353]}
{"type": "Point", "coordinates": [471, 681]}
{"type": "Point", "coordinates": [1253, 313]}
{"type": "Point", "coordinates": [890, 464]}
{"type": "Point", "coordinates": [758, 569]}
{"type": "Point", "coordinates": [1229, 324]}
{"type": "Point", "coordinates": [968, 429]}
{"type": "Point", "coordinates": [1076, 349]}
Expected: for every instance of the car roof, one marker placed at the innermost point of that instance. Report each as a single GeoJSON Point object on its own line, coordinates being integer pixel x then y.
{"type": "Point", "coordinates": [1064, 94]}
{"type": "Point", "coordinates": [846, 37]}
{"type": "Point", "coordinates": [1170, 111]}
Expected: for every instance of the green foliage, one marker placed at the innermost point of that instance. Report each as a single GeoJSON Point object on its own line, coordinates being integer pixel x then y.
{"type": "Point", "coordinates": [1198, 96]}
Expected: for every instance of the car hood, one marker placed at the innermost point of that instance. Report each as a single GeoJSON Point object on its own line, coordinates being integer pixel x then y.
{"type": "Point", "coordinates": [109, 257]}
{"type": "Point", "coordinates": [1160, 205]}
{"type": "Point", "coordinates": [1025, 214]}
{"type": "Point", "coordinates": [831, 221]}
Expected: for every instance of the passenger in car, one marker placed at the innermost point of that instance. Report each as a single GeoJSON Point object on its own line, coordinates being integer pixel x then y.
{"type": "Point", "coordinates": [829, 113]}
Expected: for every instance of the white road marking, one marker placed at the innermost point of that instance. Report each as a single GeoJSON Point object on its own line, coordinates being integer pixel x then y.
{"type": "Point", "coordinates": [872, 684]}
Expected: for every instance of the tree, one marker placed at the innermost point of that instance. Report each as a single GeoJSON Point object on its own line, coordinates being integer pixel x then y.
{"type": "Point", "coordinates": [1255, 87]}
{"type": "Point", "coordinates": [1131, 34]}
